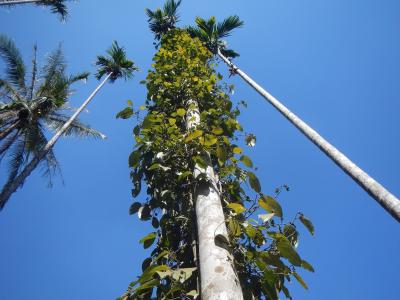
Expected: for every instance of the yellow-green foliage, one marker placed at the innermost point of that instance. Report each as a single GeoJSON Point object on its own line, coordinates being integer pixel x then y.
{"type": "Point", "coordinates": [163, 159]}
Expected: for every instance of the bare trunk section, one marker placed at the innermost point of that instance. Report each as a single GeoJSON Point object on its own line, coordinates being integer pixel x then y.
{"type": "Point", "coordinates": [218, 278]}
{"type": "Point", "coordinates": [387, 200]}
{"type": "Point", "coordinates": [11, 187]}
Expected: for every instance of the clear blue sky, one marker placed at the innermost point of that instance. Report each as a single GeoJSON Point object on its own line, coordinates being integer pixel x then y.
{"type": "Point", "coordinates": [336, 63]}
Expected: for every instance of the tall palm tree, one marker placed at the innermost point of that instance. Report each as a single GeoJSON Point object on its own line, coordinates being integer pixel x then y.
{"type": "Point", "coordinates": [114, 66]}
{"type": "Point", "coordinates": [32, 103]}
{"type": "Point", "coordinates": [211, 34]}
{"type": "Point", "coordinates": [163, 20]}
{"type": "Point", "coordinates": [56, 6]}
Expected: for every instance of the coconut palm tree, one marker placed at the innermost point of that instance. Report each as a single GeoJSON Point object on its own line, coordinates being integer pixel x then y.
{"type": "Point", "coordinates": [57, 6]}
{"type": "Point", "coordinates": [211, 34]}
{"type": "Point", "coordinates": [115, 66]}
{"type": "Point", "coordinates": [30, 104]}
{"type": "Point", "coordinates": [163, 20]}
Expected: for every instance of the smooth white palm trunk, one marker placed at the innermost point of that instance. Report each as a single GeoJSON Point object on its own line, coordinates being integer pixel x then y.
{"type": "Point", "coordinates": [10, 188]}
{"type": "Point", "coordinates": [387, 200]}
{"type": "Point", "coordinates": [218, 278]}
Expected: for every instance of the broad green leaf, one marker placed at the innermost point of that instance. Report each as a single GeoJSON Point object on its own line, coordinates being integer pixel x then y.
{"type": "Point", "coordinates": [183, 274]}
{"type": "Point", "coordinates": [134, 159]}
{"type": "Point", "coordinates": [129, 102]}
{"type": "Point", "coordinates": [148, 240]}
{"type": "Point", "coordinates": [154, 167]}
{"type": "Point", "coordinates": [307, 266]}
{"type": "Point", "coordinates": [125, 113]}
{"type": "Point", "coordinates": [237, 150]}
{"type": "Point", "coordinates": [171, 121]}
{"type": "Point", "coordinates": [184, 175]}
{"type": "Point", "coordinates": [254, 182]}
{"type": "Point", "coordinates": [217, 130]}
{"type": "Point", "coordinates": [247, 161]}
{"type": "Point", "coordinates": [307, 223]}
{"type": "Point", "coordinates": [300, 280]}
{"type": "Point", "coordinates": [192, 293]}
{"type": "Point", "coordinates": [266, 217]}
{"type": "Point", "coordinates": [147, 285]}
{"type": "Point", "coordinates": [134, 208]}
{"type": "Point", "coordinates": [195, 134]}
{"type": "Point", "coordinates": [234, 227]}
{"type": "Point", "coordinates": [271, 205]}
{"type": "Point", "coordinates": [142, 107]}
{"type": "Point", "coordinates": [250, 231]}
{"type": "Point", "coordinates": [155, 223]}
{"type": "Point", "coordinates": [237, 208]}
{"type": "Point", "coordinates": [287, 251]}
{"type": "Point", "coordinates": [181, 112]}
{"type": "Point", "coordinates": [209, 140]}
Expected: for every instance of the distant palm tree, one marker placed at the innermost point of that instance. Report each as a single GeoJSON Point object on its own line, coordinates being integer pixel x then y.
{"type": "Point", "coordinates": [29, 106]}
{"type": "Point", "coordinates": [211, 34]}
{"type": "Point", "coordinates": [163, 20]}
{"type": "Point", "coordinates": [115, 66]}
{"type": "Point", "coordinates": [57, 6]}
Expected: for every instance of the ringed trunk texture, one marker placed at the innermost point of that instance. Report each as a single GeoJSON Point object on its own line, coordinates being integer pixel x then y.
{"type": "Point", "coordinates": [387, 200]}
{"type": "Point", "coordinates": [219, 280]}
{"type": "Point", "coordinates": [11, 187]}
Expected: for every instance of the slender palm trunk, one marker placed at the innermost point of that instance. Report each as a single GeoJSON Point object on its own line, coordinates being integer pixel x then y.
{"type": "Point", "coordinates": [387, 200]}
{"type": "Point", "coordinates": [218, 278]}
{"type": "Point", "coordinates": [11, 187]}
{"type": "Point", "coordinates": [12, 2]}
{"type": "Point", "coordinates": [8, 130]}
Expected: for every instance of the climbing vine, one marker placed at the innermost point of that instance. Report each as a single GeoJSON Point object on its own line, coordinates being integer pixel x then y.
{"type": "Point", "coordinates": [162, 162]}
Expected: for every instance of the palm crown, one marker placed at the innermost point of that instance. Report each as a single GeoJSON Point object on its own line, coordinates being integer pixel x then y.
{"type": "Point", "coordinates": [31, 103]}
{"type": "Point", "coordinates": [57, 6]}
{"type": "Point", "coordinates": [163, 20]}
{"type": "Point", "coordinates": [212, 33]}
{"type": "Point", "coordinates": [115, 63]}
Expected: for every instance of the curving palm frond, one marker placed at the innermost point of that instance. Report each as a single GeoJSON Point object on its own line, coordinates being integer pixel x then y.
{"type": "Point", "coordinates": [115, 63]}
{"type": "Point", "coordinates": [212, 33]}
{"type": "Point", "coordinates": [56, 6]}
{"type": "Point", "coordinates": [163, 20]}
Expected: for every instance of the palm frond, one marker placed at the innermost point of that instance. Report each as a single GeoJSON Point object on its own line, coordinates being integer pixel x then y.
{"type": "Point", "coordinates": [225, 28]}
{"type": "Point", "coordinates": [15, 68]}
{"type": "Point", "coordinates": [54, 66]}
{"type": "Point", "coordinates": [7, 143]}
{"type": "Point", "coordinates": [56, 120]}
{"type": "Point", "coordinates": [77, 77]}
{"type": "Point", "coordinates": [17, 159]}
{"type": "Point", "coordinates": [34, 74]}
{"type": "Point", "coordinates": [8, 90]}
{"type": "Point", "coordinates": [163, 20]}
{"type": "Point", "coordinates": [57, 6]}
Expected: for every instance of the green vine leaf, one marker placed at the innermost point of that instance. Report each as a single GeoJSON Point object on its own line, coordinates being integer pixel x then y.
{"type": "Point", "coordinates": [287, 251]}
{"type": "Point", "coordinates": [237, 208]}
{"type": "Point", "coordinates": [307, 223]}
{"type": "Point", "coordinates": [254, 182]}
{"type": "Point", "coordinates": [193, 135]}
{"type": "Point", "coordinates": [246, 161]}
{"type": "Point", "coordinates": [271, 205]}
{"type": "Point", "coordinates": [148, 240]}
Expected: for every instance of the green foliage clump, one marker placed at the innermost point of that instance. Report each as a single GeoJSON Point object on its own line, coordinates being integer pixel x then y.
{"type": "Point", "coordinates": [164, 158]}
